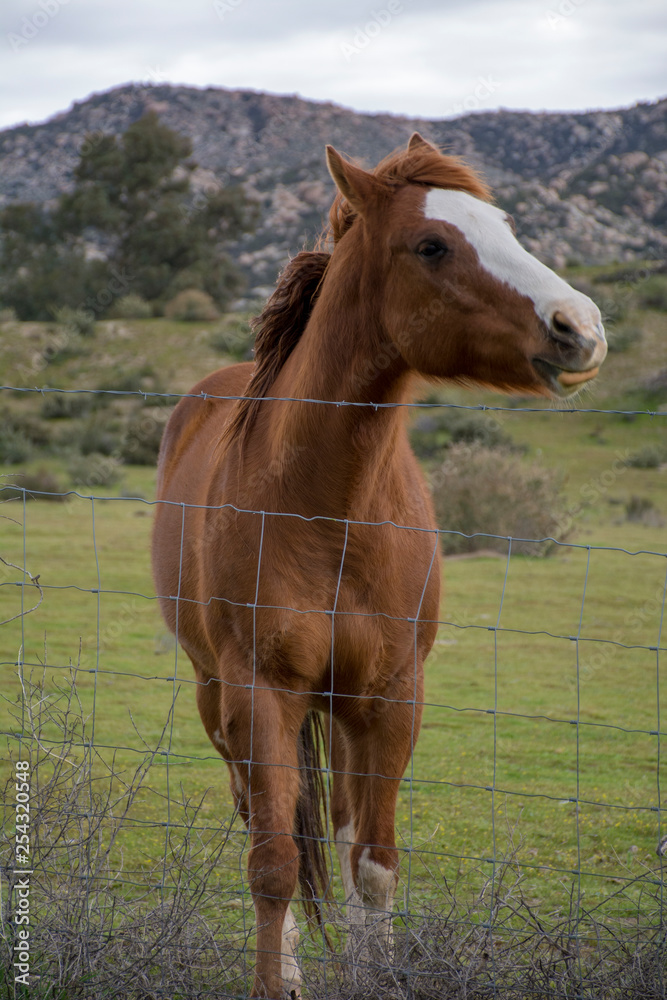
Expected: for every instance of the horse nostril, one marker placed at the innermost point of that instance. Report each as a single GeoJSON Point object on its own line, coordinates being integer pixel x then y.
{"type": "Point", "coordinates": [562, 328]}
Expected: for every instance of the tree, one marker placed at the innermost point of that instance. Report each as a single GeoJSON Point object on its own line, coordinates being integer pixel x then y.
{"type": "Point", "coordinates": [132, 204]}
{"type": "Point", "coordinates": [39, 270]}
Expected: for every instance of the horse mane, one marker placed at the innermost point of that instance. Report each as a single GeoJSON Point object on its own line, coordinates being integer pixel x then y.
{"type": "Point", "coordinates": [277, 331]}
{"type": "Point", "coordinates": [281, 323]}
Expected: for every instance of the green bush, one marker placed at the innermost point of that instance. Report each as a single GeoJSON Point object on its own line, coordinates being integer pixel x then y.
{"type": "Point", "coordinates": [481, 492]}
{"type": "Point", "coordinates": [81, 321]}
{"type": "Point", "coordinates": [651, 456]}
{"type": "Point", "coordinates": [131, 307]}
{"type": "Point", "coordinates": [141, 443]}
{"type": "Point", "coordinates": [642, 510]}
{"type": "Point", "coordinates": [64, 406]}
{"type": "Point", "coordinates": [652, 293]}
{"type": "Point", "coordinates": [434, 430]}
{"type": "Point", "coordinates": [622, 338]}
{"type": "Point", "coordinates": [613, 304]}
{"type": "Point", "coordinates": [653, 390]}
{"type": "Point", "coordinates": [94, 470]}
{"type": "Point", "coordinates": [99, 435]}
{"type": "Point", "coordinates": [15, 448]}
{"type": "Point", "coordinates": [24, 426]}
{"type": "Point", "coordinates": [130, 380]}
{"type": "Point", "coordinates": [236, 339]}
{"type": "Point", "coordinates": [38, 485]}
{"type": "Point", "coordinates": [192, 305]}
{"type": "Point", "coordinates": [61, 344]}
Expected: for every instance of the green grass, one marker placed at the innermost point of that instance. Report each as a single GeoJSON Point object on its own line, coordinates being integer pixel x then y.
{"type": "Point", "coordinates": [529, 705]}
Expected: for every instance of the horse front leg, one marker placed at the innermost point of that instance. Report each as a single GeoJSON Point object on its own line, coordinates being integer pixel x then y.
{"type": "Point", "coordinates": [380, 746]}
{"type": "Point", "coordinates": [343, 822]}
{"type": "Point", "coordinates": [255, 731]}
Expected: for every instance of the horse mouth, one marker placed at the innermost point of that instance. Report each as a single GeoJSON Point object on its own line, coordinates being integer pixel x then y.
{"type": "Point", "coordinates": [560, 380]}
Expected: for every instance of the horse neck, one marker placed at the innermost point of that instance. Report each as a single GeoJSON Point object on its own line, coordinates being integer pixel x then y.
{"type": "Point", "coordinates": [335, 455]}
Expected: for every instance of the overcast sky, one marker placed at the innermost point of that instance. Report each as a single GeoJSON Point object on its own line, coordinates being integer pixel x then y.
{"type": "Point", "coordinates": [428, 58]}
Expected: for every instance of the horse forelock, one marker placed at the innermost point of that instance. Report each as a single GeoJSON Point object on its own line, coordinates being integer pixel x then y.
{"type": "Point", "coordinates": [423, 165]}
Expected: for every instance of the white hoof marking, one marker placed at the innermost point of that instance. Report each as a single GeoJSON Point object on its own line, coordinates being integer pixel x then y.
{"type": "Point", "coordinates": [291, 972]}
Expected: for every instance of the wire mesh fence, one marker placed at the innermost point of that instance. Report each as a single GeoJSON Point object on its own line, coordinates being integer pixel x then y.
{"type": "Point", "coordinates": [529, 819]}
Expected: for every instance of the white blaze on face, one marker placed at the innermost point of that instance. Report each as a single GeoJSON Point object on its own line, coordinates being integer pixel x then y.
{"type": "Point", "coordinates": [488, 231]}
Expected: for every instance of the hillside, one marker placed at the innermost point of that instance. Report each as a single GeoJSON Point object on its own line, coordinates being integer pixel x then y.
{"type": "Point", "coordinates": [588, 187]}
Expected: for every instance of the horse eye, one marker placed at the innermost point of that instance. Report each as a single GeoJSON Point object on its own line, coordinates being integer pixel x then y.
{"type": "Point", "coordinates": [432, 250]}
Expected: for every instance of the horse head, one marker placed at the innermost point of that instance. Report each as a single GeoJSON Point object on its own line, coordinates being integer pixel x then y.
{"type": "Point", "coordinates": [460, 297]}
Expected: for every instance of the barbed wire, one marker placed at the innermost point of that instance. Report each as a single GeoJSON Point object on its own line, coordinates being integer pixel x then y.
{"type": "Point", "coordinates": [481, 407]}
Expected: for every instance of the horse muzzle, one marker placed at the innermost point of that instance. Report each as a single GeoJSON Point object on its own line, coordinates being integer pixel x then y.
{"type": "Point", "coordinates": [573, 356]}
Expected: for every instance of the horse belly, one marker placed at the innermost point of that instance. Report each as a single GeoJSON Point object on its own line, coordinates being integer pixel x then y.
{"type": "Point", "coordinates": [181, 533]}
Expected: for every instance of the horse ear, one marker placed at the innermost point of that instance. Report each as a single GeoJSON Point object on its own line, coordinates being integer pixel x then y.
{"type": "Point", "coordinates": [417, 141]}
{"type": "Point", "coordinates": [357, 186]}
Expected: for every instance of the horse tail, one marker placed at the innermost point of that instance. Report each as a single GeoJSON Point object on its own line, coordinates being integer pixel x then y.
{"type": "Point", "coordinates": [309, 826]}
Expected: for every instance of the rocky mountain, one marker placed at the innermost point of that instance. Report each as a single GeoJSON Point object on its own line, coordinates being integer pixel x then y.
{"type": "Point", "coordinates": [590, 187]}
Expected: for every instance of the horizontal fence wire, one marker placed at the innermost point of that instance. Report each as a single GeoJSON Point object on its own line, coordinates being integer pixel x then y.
{"type": "Point", "coordinates": [481, 407]}
{"type": "Point", "coordinates": [121, 826]}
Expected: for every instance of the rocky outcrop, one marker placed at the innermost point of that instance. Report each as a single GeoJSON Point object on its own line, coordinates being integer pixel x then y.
{"type": "Point", "coordinates": [590, 187]}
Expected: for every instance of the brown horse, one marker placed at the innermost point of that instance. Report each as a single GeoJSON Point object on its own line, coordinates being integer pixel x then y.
{"type": "Point", "coordinates": [295, 549]}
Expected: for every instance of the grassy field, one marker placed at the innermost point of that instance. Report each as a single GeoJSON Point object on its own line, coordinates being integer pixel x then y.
{"type": "Point", "coordinates": [544, 727]}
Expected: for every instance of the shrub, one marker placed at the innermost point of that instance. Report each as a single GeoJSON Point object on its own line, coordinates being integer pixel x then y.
{"type": "Point", "coordinates": [651, 456]}
{"type": "Point", "coordinates": [654, 389]}
{"type": "Point", "coordinates": [613, 305]}
{"type": "Point", "coordinates": [481, 492]}
{"type": "Point", "coordinates": [99, 435]}
{"type": "Point", "coordinates": [642, 510]}
{"type": "Point", "coordinates": [38, 485]}
{"type": "Point", "coordinates": [622, 338]}
{"type": "Point", "coordinates": [237, 340]}
{"type": "Point", "coordinates": [15, 447]}
{"type": "Point", "coordinates": [652, 293]}
{"type": "Point", "coordinates": [22, 427]}
{"type": "Point", "coordinates": [82, 809]}
{"type": "Point", "coordinates": [94, 470]}
{"type": "Point", "coordinates": [191, 305]}
{"type": "Point", "coordinates": [435, 430]}
{"type": "Point", "coordinates": [64, 406]}
{"type": "Point", "coordinates": [129, 380]}
{"type": "Point", "coordinates": [131, 307]}
{"type": "Point", "coordinates": [141, 444]}
{"type": "Point", "coordinates": [81, 321]}
{"type": "Point", "coordinates": [62, 343]}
